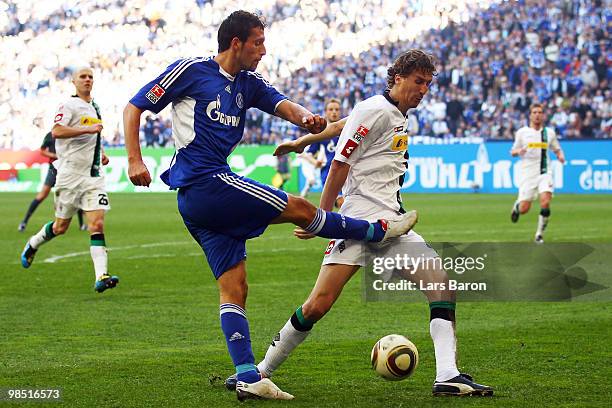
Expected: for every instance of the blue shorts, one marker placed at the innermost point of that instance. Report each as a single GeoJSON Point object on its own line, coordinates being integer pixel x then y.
{"type": "Point", "coordinates": [223, 211]}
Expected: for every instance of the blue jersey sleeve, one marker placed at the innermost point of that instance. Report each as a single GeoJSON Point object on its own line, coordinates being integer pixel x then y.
{"type": "Point", "coordinates": [172, 84]}
{"type": "Point", "coordinates": [263, 96]}
{"type": "Point", "coordinates": [313, 148]}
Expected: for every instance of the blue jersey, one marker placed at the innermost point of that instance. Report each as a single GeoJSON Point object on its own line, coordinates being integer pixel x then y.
{"type": "Point", "coordinates": [208, 113]}
{"type": "Point", "coordinates": [329, 146]}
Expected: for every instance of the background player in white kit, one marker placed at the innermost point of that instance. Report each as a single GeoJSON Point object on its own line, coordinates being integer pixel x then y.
{"type": "Point", "coordinates": [370, 162]}
{"type": "Point", "coordinates": [531, 144]}
{"type": "Point", "coordinates": [80, 179]}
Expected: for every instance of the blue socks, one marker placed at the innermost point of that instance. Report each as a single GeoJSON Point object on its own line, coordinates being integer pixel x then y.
{"type": "Point", "coordinates": [235, 326]}
{"type": "Point", "coordinates": [328, 224]}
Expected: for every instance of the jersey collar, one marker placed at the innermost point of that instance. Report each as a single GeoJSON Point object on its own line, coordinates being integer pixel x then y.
{"type": "Point", "coordinates": [226, 74]}
{"type": "Point", "coordinates": [388, 98]}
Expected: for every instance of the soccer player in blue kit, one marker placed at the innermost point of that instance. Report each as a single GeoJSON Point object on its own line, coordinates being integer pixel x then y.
{"type": "Point", "coordinates": [220, 209]}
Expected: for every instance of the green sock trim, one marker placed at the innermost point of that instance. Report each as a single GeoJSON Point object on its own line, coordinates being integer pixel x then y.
{"type": "Point", "coordinates": [303, 321]}
{"type": "Point", "coordinates": [442, 305]}
{"type": "Point", "coordinates": [49, 230]}
{"type": "Point", "coordinates": [95, 242]}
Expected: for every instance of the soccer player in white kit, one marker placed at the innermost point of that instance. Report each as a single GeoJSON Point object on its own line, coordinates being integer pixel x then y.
{"type": "Point", "coordinates": [80, 179]}
{"type": "Point", "coordinates": [370, 162]}
{"type": "Point", "coordinates": [532, 144]}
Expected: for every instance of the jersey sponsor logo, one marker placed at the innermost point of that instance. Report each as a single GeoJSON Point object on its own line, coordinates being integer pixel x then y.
{"type": "Point", "coordinates": [213, 112]}
{"type": "Point", "coordinates": [88, 121]}
{"type": "Point", "coordinates": [58, 117]}
{"type": "Point", "coordinates": [400, 143]}
{"type": "Point", "coordinates": [240, 100]}
{"type": "Point", "coordinates": [155, 93]}
{"type": "Point", "coordinates": [537, 145]}
{"type": "Point", "coordinates": [330, 247]}
{"type": "Point", "coordinates": [398, 129]}
{"type": "Point", "coordinates": [349, 148]}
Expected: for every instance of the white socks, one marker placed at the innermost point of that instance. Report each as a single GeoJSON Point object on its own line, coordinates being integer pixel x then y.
{"type": "Point", "coordinates": [283, 344]}
{"type": "Point", "coordinates": [542, 223]}
{"type": "Point", "coordinates": [100, 260]}
{"type": "Point", "coordinates": [45, 234]}
{"type": "Point", "coordinates": [445, 345]}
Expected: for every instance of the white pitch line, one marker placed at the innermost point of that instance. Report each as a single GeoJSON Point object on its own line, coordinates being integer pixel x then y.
{"type": "Point", "coordinates": [65, 257]}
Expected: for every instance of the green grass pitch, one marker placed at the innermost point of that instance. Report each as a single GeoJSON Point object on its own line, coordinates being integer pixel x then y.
{"type": "Point", "coordinates": [155, 340]}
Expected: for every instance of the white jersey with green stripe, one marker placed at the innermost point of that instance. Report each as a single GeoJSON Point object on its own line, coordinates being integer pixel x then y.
{"type": "Point", "coordinates": [536, 160]}
{"type": "Point", "coordinates": [78, 155]}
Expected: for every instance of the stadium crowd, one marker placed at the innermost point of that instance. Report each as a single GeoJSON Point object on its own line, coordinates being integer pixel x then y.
{"type": "Point", "coordinates": [493, 61]}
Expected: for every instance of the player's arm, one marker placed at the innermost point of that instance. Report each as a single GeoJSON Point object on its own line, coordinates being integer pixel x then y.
{"type": "Point", "coordinates": [137, 171]}
{"type": "Point", "coordinates": [518, 148]}
{"type": "Point", "coordinates": [47, 153]}
{"type": "Point", "coordinates": [336, 178]}
{"type": "Point", "coordinates": [560, 155]}
{"type": "Point", "coordinates": [66, 132]}
{"type": "Point", "coordinates": [300, 116]}
{"type": "Point", "coordinates": [298, 145]}
{"type": "Point", "coordinates": [556, 148]}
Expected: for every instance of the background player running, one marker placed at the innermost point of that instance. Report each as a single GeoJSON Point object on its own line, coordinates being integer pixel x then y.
{"type": "Point", "coordinates": [532, 144]}
{"type": "Point", "coordinates": [80, 181]}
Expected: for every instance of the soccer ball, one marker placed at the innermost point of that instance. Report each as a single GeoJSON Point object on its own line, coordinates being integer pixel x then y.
{"type": "Point", "coordinates": [394, 357]}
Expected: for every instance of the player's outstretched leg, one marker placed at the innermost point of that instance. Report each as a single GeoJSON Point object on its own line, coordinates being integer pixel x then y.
{"type": "Point", "coordinates": [542, 224]}
{"type": "Point", "coordinates": [33, 205]}
{"type": "Point", "coordinates": [45, 234]}
{"type": "Point", "coordinates": [329, 224]}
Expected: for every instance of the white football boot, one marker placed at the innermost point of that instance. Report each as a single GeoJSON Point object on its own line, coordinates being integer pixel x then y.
{"type": "Point", "coordinates": [400, 227]}
{"type": "Point", "coordinates": [262, 389]}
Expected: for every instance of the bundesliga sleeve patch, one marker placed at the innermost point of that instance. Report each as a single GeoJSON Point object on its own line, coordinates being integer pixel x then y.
{"type": "Point", "coordinates": [155, 93]}
{"type": "Point", "coordinates": [58, 117]}
{"type": "Point", "coordinates": [360, 133]}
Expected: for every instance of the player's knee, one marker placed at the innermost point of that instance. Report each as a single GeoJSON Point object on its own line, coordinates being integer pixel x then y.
{"type": "Point", "coordinates": [96, 225]}
{"type": "Point", "coordinates": [314, 309]}
{"type": "Point", "coordinates": [524, 206]}
{"type": "Point", "coordinates": [60, 229]}
{"type": "Point", "coordinates": [301, 210]}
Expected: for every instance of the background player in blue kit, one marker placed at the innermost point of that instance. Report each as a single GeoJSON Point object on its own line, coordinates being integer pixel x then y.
{"type": "Point", "coordinates": [332, 114]}
{"type": "Point", "coordinates": [220, 209]}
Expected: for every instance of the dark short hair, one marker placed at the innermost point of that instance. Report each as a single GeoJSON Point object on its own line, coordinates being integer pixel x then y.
{"type": "Point", "coordinates": [408, 62]}
{"type": "Point", "coordinates": [536, 105]}
{"type": "Point", "coordinates": [238, 24]}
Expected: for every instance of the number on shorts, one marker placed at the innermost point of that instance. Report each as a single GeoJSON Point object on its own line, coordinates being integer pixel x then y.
{"type": "Point", "coordinates": [103, 199]}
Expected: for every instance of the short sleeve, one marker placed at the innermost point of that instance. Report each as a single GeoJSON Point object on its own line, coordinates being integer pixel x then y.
{"type": "Point", "coordinates": [356, 135]}
{"type": "Point", "coordinates": [63, 115]}
{"type": "Point", "coordinates": [553, 140]}
{"type": "Point", "coordinates": [518, 140]}
{"type": "Point", "coordinates": [172, 84]}
{"type": "Point", "coordinates": [263, 96]}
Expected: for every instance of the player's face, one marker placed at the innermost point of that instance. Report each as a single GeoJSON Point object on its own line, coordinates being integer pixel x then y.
{"type": "Point", "coordinates": [536, 116]}
{"type": "Point", "coordinates": [83, 80]}
{"type": "Point", "coordinates": [412, 88]}
{"type": "Point", "coordinates": [332, 112]}
{"type": "Point", "coordinates": [252, 50]}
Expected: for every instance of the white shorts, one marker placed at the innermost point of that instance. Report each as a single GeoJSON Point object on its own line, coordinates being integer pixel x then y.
{"type": "Point", "coordinates": [309, 171]}
{"type": "Point", "coordinates": [350, 252]}
{"type": "Point", "coordinates": [80, 193]}
{"type": "Point", "coordinates": [532, 187]}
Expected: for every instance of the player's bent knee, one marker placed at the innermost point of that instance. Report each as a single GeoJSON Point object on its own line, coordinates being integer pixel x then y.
{"type": "Point", "coordinates": [315, 309]}
{"type": "Point", "coordinates": [524, 206]}
{"type": "Point", "coordinates": [96, 226]}
{"type": "Point", "coordinates": [299, 211]}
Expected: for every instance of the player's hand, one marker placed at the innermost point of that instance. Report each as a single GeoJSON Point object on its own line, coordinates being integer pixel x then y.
{"type": "Point", "coordinates": [105, 159]}
{"type": "Point", "coordinates": [318, 164]}
{"type": "Point", "coordinates": [522, 151]}
{"type": "Point", "coordinates": [97, 128]}
{"type": "Point", "coordinates": [288, 147]}
{"type": "Point", "coordinates": [302, 234]}
{"type": "Point", "coordinates": [139, 174]}
{"type": "Point", "coordinates": [314, 123]}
